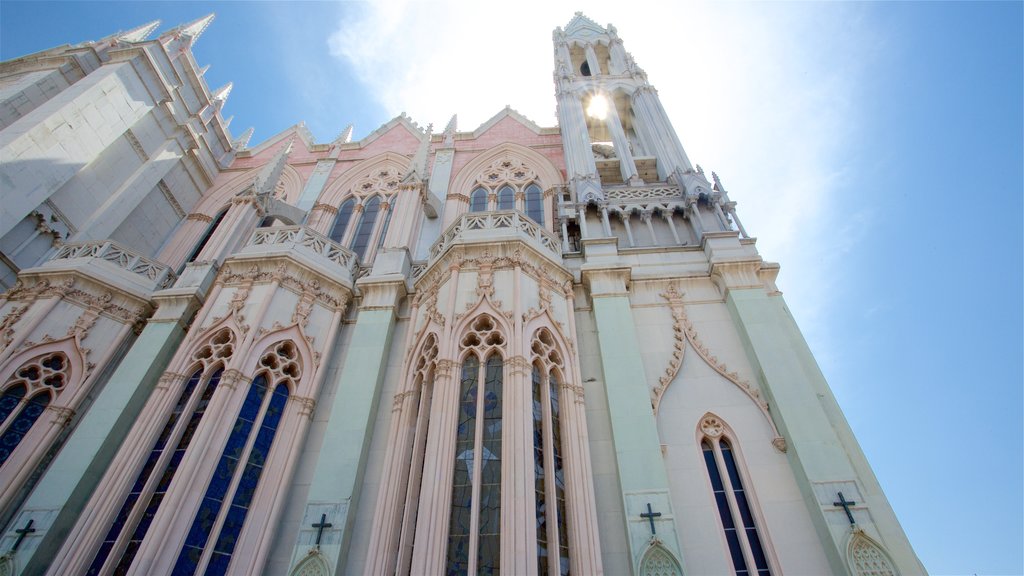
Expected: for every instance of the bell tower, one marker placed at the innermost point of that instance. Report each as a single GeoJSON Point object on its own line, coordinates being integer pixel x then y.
{"type": "Point", "coordinates": [614, 128]}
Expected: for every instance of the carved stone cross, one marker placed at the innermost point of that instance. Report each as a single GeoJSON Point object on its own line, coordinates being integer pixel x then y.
{"type": "Point", "coordinates": [650, 515]}
{"type": "Point", "coordinates": [323, 523]}
{"type": "Point", "coordinates": [846, 507]}
{"type": "Point", "coordinates": [22, 532]}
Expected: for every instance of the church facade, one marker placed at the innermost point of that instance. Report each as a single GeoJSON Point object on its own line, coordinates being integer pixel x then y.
{"type": "Point", "coordinates": [512, 348]}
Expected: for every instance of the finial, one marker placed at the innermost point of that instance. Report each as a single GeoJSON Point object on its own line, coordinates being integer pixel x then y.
{"type": "Point", "coordinates": [268, 177]}
{"type": "Point", "coordinates": [139, 33]}
{"type": "Point", "coordinates": [718, 183]}
{"type": "Point", "coordinates": [228, 121]}
{"type": "Point", "coordinates": [190, 31]}
{"type": "Point", "coordinates": [221, 94]}
{"type": "Point", "coordinates": [700, 170]}
{"type": "Point", "coordinates": [242, 142]}
{"type": "Point", "coordinates": [449, 131]}
{"type": "Point", "coordinates": [345, 137]}
{"type": "Point", "coordinates": [203, 70]}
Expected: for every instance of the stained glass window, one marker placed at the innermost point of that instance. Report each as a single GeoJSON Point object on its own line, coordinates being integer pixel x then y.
{"type": "Point", "coordinates": [477, 465]}
{"type": "Point", "coordinates": [365, 230]}
{"type": "Point", "coordinates": [384, 227]}
{"type": "Point", "coordinates": [216, 492]}
{"type": "Point", "coordinates": [341, 221]}
{"type": "Point", "coordinates": [206, 236]}
{"type": "Point", "coordinates": [21, 424]}
{"type": "Point", "coordinates": [10, 400]}
{"type": "Point", "coordinates": [225, 545]}
{"type": "Point", "coordinates": [478, 200]}
{"type": "Point", "coordinates": [559, 477]}
{"type": "Point", "coordinates": [540, 491]}
{"type": "Point", "coordinates": [506, 198]}
{"type": "Point", "coordinates": [535, 203]}
{"type": "Point", "coordinates": [736, 515]}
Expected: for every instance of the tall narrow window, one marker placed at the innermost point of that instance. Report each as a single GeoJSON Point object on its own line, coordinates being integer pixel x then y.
{"type": "Point", "coordinates": [384, 227]}
{"type": "Point", "coordinates": [366, 224]}
{"type": "Point", "coordinates": [157, 483]}
{"type": "Point", "coordinates": [260, 415]}
{"type": "Point", "coordinates": [206, 236]}
{"type": "Point", "coordinates": [474, 534]}
{"type": "Point", "coordinates": [559, 476]}
{"type": "Point", "coordinates": [539, 475]}
{"type": "Point", "coordinates": [478, 200]}
{"type": "Point", "coordinates": [341, 221]}
{"type": "Point", "coordinates": [10, 400]}
{"type": "Point", "coordinates": [21, 424]}
{"type": "Point", "coordinates": [745, 549]}
{"type": "Point", "coordinates": [535, 203]}
{"type": "Point", "coordinates": [506, 198]}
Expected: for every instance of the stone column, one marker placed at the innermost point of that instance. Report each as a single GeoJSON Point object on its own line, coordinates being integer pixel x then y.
{"type": "Point", "coordinates": [579, 157]}
{"type": "Point", "coordinates": [820, 447]}
{"type": "Point", "coordinates": [339, 470]}
{"type": "Point", "coordinates": [655, 131]}
{"type": "Point", "coordinates": [69, 481]}
{"type": "Point", "coordinates": [641, 468]}
{"type": "Point", "coordinates": [592, 60]}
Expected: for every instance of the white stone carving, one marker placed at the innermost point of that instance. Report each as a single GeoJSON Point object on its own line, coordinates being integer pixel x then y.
{"type": "Point", "coordinates": [160, 274]}
{"type": "Point", "coordinates": [307, 238]}
{"type": "Point", "coordinates": [510, 220]}
{"type": "Point", "coordinates": [868, 559]}
{"type": "Point", "coordinates": [659, 562]}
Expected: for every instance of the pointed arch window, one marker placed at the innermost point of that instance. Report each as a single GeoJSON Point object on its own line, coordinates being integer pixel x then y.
{"type": "Point", "coordinates": [206, 236]}
{"type": "Point", "coordinates": [734, 508]}
{"type": "Point", "coordinates": [478, 200]}
{"type": "Point", "coordinates": [366, 225]}
{"type": "Point", "coordinates": [474, 538]}
{"type": "Point", "coordinates": [535, 203]}
{"type": "Point", "coordinates": [27, 393]}
{"type": "Point", "coordinates": [549, 476]}
{"type": "Point", "coordinates": [384, 227]}
{"type": "Point", "coordinates": [260, 416]}
{"type": "Point", "coordinates": [506, 198]}
{"type": "Point", "coordinates": [341, 221]}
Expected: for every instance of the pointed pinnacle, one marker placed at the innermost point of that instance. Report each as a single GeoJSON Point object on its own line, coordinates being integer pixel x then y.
{"type": "Point", "coordinates": [140, 33]}
{"type": "Point", "coordinates": [221, 94]}
{"type": "Point", "coordinates": [453, 125]}
{"type": "Point", "coordinates": [242, 142]}
{"type": "Point", "coordinates": [345, 137]}
{"type": "Point", "coordinates": [203, 70]}
{"type": "Point", "coordinates": [193, 29]}
{"type": "Point", "coordinates": [228, 121]}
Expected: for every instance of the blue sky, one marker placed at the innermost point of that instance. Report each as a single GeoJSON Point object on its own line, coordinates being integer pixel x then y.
{"type": "Point", "coordinates": [875, 150]}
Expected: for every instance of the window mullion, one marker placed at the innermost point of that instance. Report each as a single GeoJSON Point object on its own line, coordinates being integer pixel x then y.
{"type": "Point", "coordinates": [16, 410]}
{"type": "Point", "coordinates": [478, 443]}
{"type": "Point", "coordinates": [229, 495]}
{"type": "Point", "coordinates": [734, 508]}
{"type": "Point", "coordinates": [550, 484]}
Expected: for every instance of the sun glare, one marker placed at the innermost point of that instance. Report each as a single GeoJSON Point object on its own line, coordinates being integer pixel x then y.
{"type": "Point", "coordinates": [598, 107]}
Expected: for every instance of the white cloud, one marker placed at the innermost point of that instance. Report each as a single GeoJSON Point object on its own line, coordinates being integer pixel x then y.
{"type": "Point", "coordinates": [760, 93]}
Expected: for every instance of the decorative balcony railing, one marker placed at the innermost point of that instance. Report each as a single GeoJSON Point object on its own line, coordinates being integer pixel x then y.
{"type": "Point", "coordinates": [633, 193]}
{"type": "Point", "coordinates": [160, 275]}
{"type": "Point", "coordinates": [489, 226]}
{"type": "Point", "coordinates": [303, 239]}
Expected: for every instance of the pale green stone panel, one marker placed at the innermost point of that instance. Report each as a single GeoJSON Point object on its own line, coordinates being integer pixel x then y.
{"type": "Point", "coordinates": [85, 456]}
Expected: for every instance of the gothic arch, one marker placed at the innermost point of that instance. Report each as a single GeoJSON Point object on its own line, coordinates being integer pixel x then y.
{"type": "Point", "coordinates": [343, 186]}
{"type": "Point", "coordinates": [253, 360]}
{"type": "Point", "coordinates": [288, 189]}
{"type": "Point", "coordinates": [78, 369]}
{"type": "Point", "coordinates": [658, 561]}
{"type": "Point", "coordinates": [867, 558]}
{"type": "Point", "coordinates": [547, 176]}
{"type": "Point", "coordinates": [312, 565]}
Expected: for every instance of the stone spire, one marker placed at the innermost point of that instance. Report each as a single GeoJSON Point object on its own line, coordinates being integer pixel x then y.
{"type": "Point", "coordinates": [242, 142]}
{"type": "Point", "coordinates": [268, 177]}
{"type": "Point", "coordinates": [220, 95]}
{"type": "Point", "coordinates": [138, 34]}
{"type": "Point", "coordinates": [203, 70]}
{"type": "Point", "coordinates": [189, 32]}
{"type": "Point", "coordinates": [345, 137]}
{"type": "Point", "coordinates": [418, 167]}
{"type": "Point", "coordinates": [228, 121]}
{"type": "Point", "coordinates": [449, 131]}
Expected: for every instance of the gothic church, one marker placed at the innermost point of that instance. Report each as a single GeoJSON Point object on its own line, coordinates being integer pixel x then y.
{"type": "Point", "coordinates": [503, 348]}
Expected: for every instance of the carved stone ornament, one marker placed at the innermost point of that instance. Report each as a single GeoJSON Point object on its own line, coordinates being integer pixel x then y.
{"type": "Point", "coordinates": [868, 559]}
{"type": "Point", "coordinates": [711, 426]}
{"type": "Point", "coordinates": [7, 324]}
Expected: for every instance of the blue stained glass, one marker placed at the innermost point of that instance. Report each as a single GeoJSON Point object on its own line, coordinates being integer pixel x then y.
{"type": "Point", "coordinates": [478, 201]}
{"type": "Point", "coordinates": [199, 533]}
{"type": "Point", "coordinates": [253, 469]}
{"type": "Point", "coordinates": [218, 564]}
{"type": "Point", "coordinates": [462, 488]}
{"type": "Point", "coordinates": [22, 423]}
{"type": "Point", "coordinates": [10, 400]}
{"type": "Point", "coordinates": [506, 198]}
{"type": "Point", "coordinates": [341, 221]}
{"type": "Point", "coordinates": [556, 449]}
{"type": "Point", "coordinates": [104, 552]}
{"type": "Point", "coordinates": [365, 230]}
{"type": "Point", "coordinates": [535, 204]}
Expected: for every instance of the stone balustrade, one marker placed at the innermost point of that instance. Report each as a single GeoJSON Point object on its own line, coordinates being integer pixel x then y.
{"type": "Point", "coordinates": [304, 241]}
{"type": "Point", "coordinates": [153, 272]}
{"type": "Point", "coordinates": [491, 226]}
{"type": "Point", "coordinates": [633, 193]}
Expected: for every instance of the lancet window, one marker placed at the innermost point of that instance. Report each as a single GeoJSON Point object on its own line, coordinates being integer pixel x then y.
{"type": "Point", "coordinates": [26, 394]}
{"type": "Point", "coordinates": [134, 518]}
{"type": "Point", "coordinates": [206, 236]}
{"type": "Point", "coordinates": [549, 472]}
{"type": "Point", "coordinates": [371, 209]}
{"type": "Point", "coordinates": [734, 507]}
{"type": "Point", "coordinates": [508, 184]}
{"type": "Point", "coordinates": [341, 221]}
{"type": "Point", "coordinates": [215, 530]}
{"type": "Point", "coordinates": [474, 537]}
{"type": "Point", "coordinates": [425, 370]}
